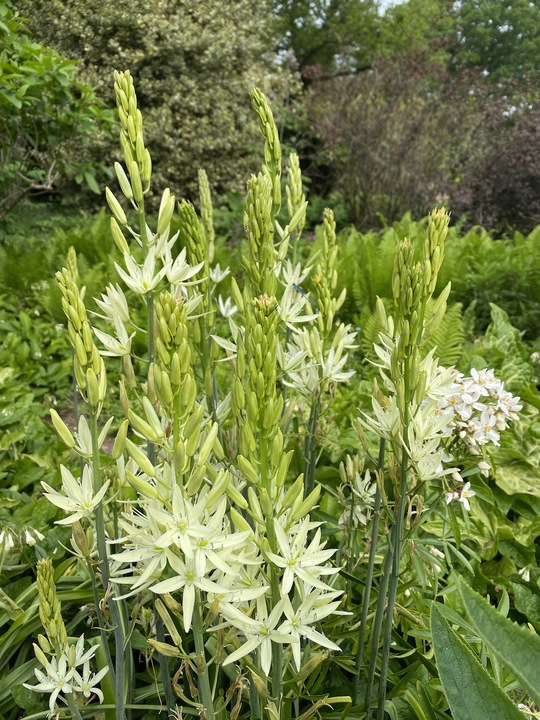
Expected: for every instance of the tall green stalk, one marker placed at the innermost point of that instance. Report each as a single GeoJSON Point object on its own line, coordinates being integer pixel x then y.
{"type": "Point", "coordinates": [393, 585]}
{"type": "Point", "coordinates": [203, 676]}
{"type": "Point", "coordinates": [114, 609]}
{"type": "Point", "coordinates": [369, 575]}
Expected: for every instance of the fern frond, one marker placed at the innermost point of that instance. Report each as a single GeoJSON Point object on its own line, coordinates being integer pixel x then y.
{"type": "Point", "coordinates": [449, 338]}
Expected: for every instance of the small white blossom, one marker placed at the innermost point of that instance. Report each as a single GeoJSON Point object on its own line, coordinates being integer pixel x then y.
{"type": "Point", "coordinates": [260, 632]}
{"type": "Point", "coordinates": [78, 497]}
{"type": "Point", "coordinates": [226, 307]}
{"type": "Point", "coordinates": [462, 495]}
{"type": "Point", "coordinates": [113, 304]}
{"type": "Point", "coordinates": [88, 681]}
{"type": "Point", "coordinates": [314, 608]}
{"type": "Point", "coordinates": [298, 561]}
{"type": "Point", "coordinates": [142, 279]}
{"type": "Point", "coordinates": [56, 680]}
{"type": "Point", "coordinates": [292, 308]}
{"type": "Point", "coordinates": [217, 274]}
{"type": "Point", "coordinates": [6, 540]}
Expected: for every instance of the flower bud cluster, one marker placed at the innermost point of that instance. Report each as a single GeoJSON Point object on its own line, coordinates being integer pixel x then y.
{"type": "Point", "coordinates": [258, 222]}
{"type": "Point", "coordinates": [325, 278]}
{"type": "Point", "coordinates": [255, 400]}
{"type": "Point", "coordinates": [272, 148]}
{"type": "Point", "coordinates": [50, 612]}
{"type": "Point", "coordinates": [207, 222]}
{"type": "Point", "coordinates": [136, 155]}
{"type": "Point", "coordinates": [88, 363]}
{"type": "Point", "coordinates": [173, 374]}
{"type": "Point", "coordinates": [296, 199]}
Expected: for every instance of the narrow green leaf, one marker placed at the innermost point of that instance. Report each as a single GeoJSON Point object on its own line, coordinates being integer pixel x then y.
{"type": "Point", "coordinates": [91, 182]}
{"type": "Point", "coordinates": [517, 648]}
{"type": "Point", "coordinates": [471, 693]}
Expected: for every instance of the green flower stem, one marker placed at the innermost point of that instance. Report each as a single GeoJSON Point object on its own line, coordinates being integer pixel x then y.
{"type": "Point", "coordinates": [254, 699]}
{"type": "Point", "coordinates": [391, 568]}
{"type": "Point", "coordinates": [105, 575]}
{"type": "Point", "coordinates": [277, 649]}
{"type": "Point", "coordinates": [73, 706]}
{"type": "Point", "coordinates": [310, 445]}
{"type": "Point", "coordinates": [101, 623]}
{"type": "Point", "coordinates": [369, 575]}
{"type": "Point", "coordinates": [394, 580]}
{"type": "Point", "coordinates": [150, 448]}
{"type": "Point", "coordinates": [205, 690]}
{"type": "Point", "coordinates": [164, 669]}
{"type": "Point", "coordinates": [377, 626]}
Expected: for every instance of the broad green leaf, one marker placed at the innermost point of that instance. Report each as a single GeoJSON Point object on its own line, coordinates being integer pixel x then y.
{"type": "Point", "coordinates": [518, 478]}
{"type": "Point", "coordinates": [471, 693]}
{"type": "Point", "coordinates": [517, 648]}
{"type": "Point", "coordinates": [526, 600]}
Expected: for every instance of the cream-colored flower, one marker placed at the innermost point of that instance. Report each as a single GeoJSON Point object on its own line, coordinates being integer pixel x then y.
{"type": "Point", "coordinates": [78, 497]}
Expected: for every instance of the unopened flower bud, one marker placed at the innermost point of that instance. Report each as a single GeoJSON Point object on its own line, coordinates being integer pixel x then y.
{"type": "Point", "coordinates": [116, 209]}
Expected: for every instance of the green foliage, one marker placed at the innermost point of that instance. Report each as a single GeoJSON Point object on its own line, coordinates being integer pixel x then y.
{"type": "Point", "coordinates": [516, 647]}
{"type": "Point", "coordinates": [501, 38]}
{"type": "Point", "coordinates": [471, 692]}
{"type": "Point", "coordinates": [194, 66]}
{"type": "Point", "coordinates": [330, 36]}
{"type": "Point", "coordinates": [45, 113]}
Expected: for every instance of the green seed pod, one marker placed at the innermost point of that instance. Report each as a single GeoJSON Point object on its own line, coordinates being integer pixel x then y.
{"type": "Point", "coordinates": [118, 237]}
{"type": "Point", "coordinates": [295, 492]}
{"type": "Point", "coordinates": [140, 458]}
{"type": "Point", "coordinates": [120, 440]}
{"type": "Point", "coordinates": [136, 182]}
{"type": "Point", "coordinates": [248, 470]}
{"type": "Point", "coordinates": [123, 181]}
{"type": "Point", "coordinates": [300, 510]}
{"type": "Point", "coordinates": [92, 388]}
{"type": "Point", "coordinates": [196, 480]}
{"type": "Point", "coordinates": [115, 207]}
{"type": "Point", "coordinates": [62, 429]}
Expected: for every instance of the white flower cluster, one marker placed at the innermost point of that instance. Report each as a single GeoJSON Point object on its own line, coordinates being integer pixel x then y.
{"type": "Point", "coordinates": [191, 540]}
{"type": "Point", "coordinates": [479, 408]}
{"type": "Point", "coordinates": [474, 409]}
{"type": "Point", "coordinates": [143, 279]}
{"type": "Point", "coordinates": [64, 675]}
{"type": "Point", "coordinates": [309, 365]}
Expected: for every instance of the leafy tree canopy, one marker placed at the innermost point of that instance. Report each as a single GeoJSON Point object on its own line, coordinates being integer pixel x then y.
{"type": "Point", "coordinates": [501, 38]}
{"type": "Point", "coordinates": [44, 111]}
{"type": "Point", "coordinates": [329, 36]}
{"type": "Point", "coordinates": [194, 64]}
